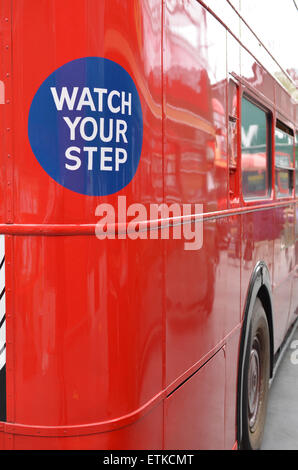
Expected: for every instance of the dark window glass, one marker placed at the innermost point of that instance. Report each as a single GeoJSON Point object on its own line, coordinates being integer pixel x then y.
{"type": "Point", "coordinates": [254, 150]}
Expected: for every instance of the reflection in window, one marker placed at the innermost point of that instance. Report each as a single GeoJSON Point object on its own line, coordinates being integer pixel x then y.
{"type": "Point", "coordinates": [233, 117]}
{"type": "Point", "coordinates": [284, 160]}
{"type": "Point", "coordinates": [254, 151]}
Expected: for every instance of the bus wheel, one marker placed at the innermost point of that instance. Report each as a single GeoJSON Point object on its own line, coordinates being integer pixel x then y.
{"type": "Point", "coordinates": [256, 379]}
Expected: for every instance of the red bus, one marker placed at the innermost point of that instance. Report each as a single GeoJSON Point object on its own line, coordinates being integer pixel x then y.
{"type": "Point", "coordinates": [137, 342]}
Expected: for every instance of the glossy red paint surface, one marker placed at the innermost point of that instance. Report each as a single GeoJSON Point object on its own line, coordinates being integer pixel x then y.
{"type": "Point", "coordinates": [102, 335]}
{"type": "Point", "coordinates": [209, 385]}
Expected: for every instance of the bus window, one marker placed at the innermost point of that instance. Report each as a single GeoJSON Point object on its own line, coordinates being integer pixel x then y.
{"type": "Point", "coordinates": [233, 138]}
{"type": "Point", "coordinates": [284, 160]}
{"type": "Point", "coordinates": [254, 150]}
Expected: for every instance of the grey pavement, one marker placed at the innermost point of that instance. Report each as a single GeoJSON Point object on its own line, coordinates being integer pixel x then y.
{"type": "Point", "coordinates": [281, 427]}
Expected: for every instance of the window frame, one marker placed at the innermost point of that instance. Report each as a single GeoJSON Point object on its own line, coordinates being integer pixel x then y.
{"type": "Point", "coordinates": [233, 116]}
{"type": "Point", "coordinates": [287, 129]}
{"type": "Point", "coordinates": [250, 200]}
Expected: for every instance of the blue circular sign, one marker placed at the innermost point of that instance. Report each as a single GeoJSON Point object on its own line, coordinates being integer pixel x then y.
{"type": "Point", "coordinates": [85, 126]}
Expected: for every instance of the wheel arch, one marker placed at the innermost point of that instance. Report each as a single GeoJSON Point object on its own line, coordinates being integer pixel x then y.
{"type": "Point", "coordinates": [259, 287]}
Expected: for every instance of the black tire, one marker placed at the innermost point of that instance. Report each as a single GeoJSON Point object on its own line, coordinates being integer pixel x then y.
{"type": "Point", "coordinates": [255, 379]}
